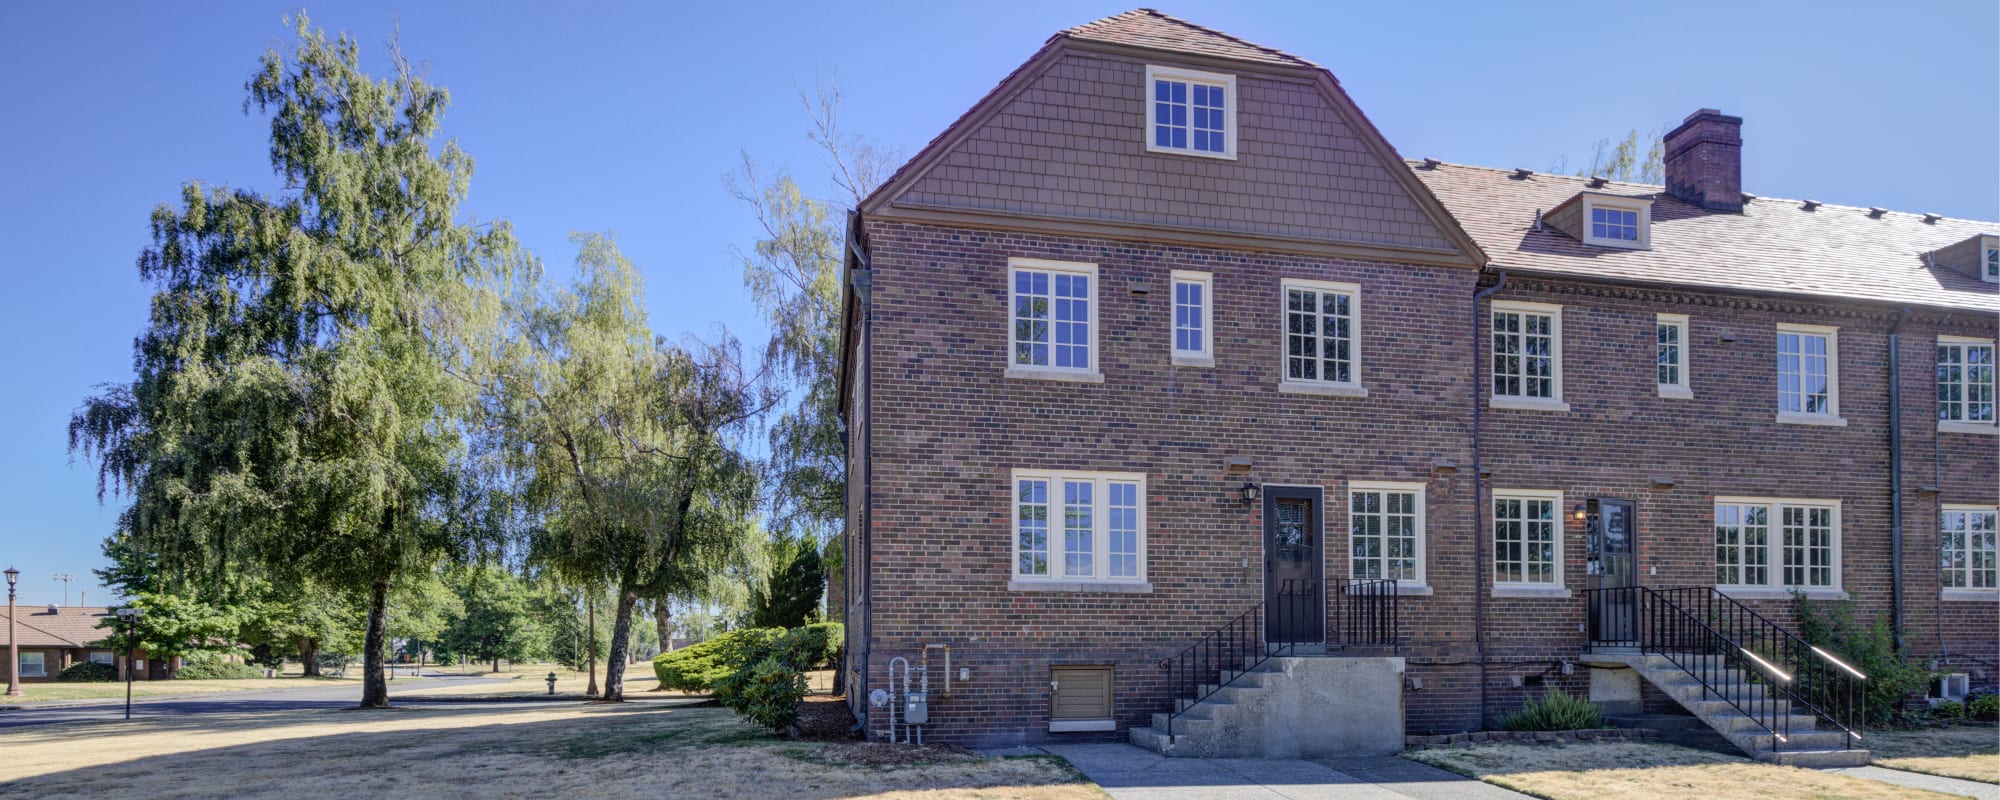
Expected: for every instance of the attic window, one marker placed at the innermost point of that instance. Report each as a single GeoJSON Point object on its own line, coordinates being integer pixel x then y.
{"type": "Point", "coordinates": [1611, 221]}
{"type": "Point", "coordinates": [1193, 113]}
{"type": "Point", "coordinates": [1992, 271]}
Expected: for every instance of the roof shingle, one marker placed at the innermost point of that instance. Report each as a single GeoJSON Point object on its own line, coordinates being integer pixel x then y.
{"type": "Point", "coordinates": [58, 626]}
{"type": "Point", "coordinates": [1144, 27]}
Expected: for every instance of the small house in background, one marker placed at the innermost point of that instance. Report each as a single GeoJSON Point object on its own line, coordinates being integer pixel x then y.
{"type": "Point", "coordinates": [54, 638]}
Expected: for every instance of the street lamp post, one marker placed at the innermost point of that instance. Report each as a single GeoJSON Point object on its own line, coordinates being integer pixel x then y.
{"type": "Point", "coordinates": [130, 615]}
{"type": "Point", "coordinates": [13, 639]}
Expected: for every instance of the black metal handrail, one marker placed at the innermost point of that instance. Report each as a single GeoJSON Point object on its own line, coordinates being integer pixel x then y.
{"type": "Point", "coordinates": [1822, 683]}
{"type": "Point", "coordinates": [1365, 613]}
{"type": "Point", "coordinates": [1698, 648]}
{"type": "Point", "coordinates": [1202, 669]}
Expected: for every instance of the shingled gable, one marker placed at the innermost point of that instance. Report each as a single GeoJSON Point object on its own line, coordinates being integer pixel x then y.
{"type": "Point", "coordinates": [1058, 147]}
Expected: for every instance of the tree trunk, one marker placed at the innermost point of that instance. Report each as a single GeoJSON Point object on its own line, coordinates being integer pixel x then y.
{"type": "Point", "coordinates": [662, 623]}
{"type": "Point", "coordinates": [309, 656]}
{"type": "Point", "coordinates": [621, 634]}
{"type": "Point", "coordinates": [590, 634]}
{"type": "Point", "coordinates": [496, 663]}
{"type": "Point", "coordinates": [374, 685]}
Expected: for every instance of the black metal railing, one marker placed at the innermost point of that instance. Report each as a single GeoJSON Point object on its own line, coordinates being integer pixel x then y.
{"type": "Point", "coordinates": [1365, 613]}
{"type": "Point", "coordinates": [1219, 658]}
{"type": "Point", "coordinates": [1736, 654]}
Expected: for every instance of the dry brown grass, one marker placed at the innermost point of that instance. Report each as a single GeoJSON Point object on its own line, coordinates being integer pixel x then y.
{"type": "Point", "coordinates": [1650, 771]}
{"type": "Point", "coordinates": [1965, 751]}
{"type": "Point", "coordinates": [71, 692]}
{"type": "Point", "coordinates": [577, 752]}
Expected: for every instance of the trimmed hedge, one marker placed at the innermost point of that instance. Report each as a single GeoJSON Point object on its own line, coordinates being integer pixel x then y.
{"type": "Point", "coordinates": [214, 668]}
{"type": "Point", "coordinates": [697, 667]}
{"type": "Point", "coordinates": [88, 672]}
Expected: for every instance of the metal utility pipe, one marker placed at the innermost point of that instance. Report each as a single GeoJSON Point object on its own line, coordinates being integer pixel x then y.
{"type": "Point", "coordinates": [1479, 493]}
{"type": "Point", "coordinates": [1896, 478]}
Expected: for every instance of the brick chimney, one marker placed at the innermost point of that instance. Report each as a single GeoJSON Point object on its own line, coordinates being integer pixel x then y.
{"type": "Point", "coordinates": [1704, 160]}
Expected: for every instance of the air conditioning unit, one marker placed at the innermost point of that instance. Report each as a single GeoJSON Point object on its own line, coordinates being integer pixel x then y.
{"type": "Point", "coordinates": [1951, 686]}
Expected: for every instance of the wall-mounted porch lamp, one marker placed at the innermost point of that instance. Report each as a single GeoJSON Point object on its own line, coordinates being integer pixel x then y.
{"type": "Point", "coordinates": [1250, 492]}
{"type": "Point", "coordinates": [1581, 512]}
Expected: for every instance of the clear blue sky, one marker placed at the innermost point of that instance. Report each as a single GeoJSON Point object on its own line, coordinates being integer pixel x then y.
{"type": "Point", "coordinates": [626, 117]}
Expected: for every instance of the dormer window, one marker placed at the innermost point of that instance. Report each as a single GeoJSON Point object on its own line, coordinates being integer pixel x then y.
{"type": "Point", "coordinates": [1992, 273]}
{"type": "Point", "coordinates": [1614, 221]}
{"type": "Point", "coordinates": [1192, 113]}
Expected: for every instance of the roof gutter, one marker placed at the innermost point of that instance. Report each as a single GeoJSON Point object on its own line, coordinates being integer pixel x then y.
{"type": "Point", "coordinates": [1479, 493]}
{"type": "Point", "coordinates": [1886, 305]}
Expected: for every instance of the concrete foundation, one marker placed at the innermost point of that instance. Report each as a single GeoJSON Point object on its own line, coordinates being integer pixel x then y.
{"type": "Point", "coordinates": [1302, 707]}
{"type": "Point", "coordinates": [1616, 689]}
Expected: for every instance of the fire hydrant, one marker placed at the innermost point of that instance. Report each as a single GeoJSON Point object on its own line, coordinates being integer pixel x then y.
{"type": "Point", "coordinates": [552, 683]}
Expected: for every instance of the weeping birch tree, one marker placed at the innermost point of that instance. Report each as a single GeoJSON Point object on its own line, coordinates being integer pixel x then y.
{"type": "Point", "coordinates": [298, 409]}
{"type": "Point", "coordinates": [629, 447]}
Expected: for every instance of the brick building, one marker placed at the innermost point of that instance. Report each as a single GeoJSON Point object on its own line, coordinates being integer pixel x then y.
{"type": "Point", "coordinates": [1163, 333]}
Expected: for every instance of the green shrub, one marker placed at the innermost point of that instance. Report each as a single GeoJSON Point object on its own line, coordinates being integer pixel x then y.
{"type": "Point", "coordinates": [811, 646]}
{"type": "Point", "coordinates": [1948, 710]}
{"type": "Point", "coordinates": [766, 693]}
{"type": "Point", "coordinates": [88, 672]}
{"type": "Point", "coordinates": [1870, 648]}
{"type": "Point", "coordinates": [1983, 706]}
{"type": "Point", "coordinates": [1555, 711]}
{"type": "Point", "coordinates": [214, 668]}
{"type": "Point", "coordinates": [696, 668]}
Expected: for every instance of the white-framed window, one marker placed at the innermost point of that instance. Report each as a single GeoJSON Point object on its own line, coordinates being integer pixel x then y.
{"type": "Point", "coordinates": [1079, 526]}
{"type": "Point", "coordinates": [1194, 318]}
{"type": "Point", "coordinates": [1322, 335]}
{"type": "Point", "coordinates": [1671, 355]}
{"type": "Point", "coordinates": [1052, 319]}
{"type": "Point", "coordinates": [103, 657]}
{"type": "Point", "coordinates": [1766, 543]}
{"type": "Point", "coordinates": [1385, 524]}
{"type": "Point", "coordinates": [1190, 112]}
{"type": "Point", "coordinates": [1966, 548]}
{"type": "Point", "coordinates": [1617, 221]}
{"type": "Point", "coordinates": [1808, 374]}
{"type": "Point", "coordinates": [1527, 539]}
{"type": "Point", "coordinates": [1965, 384]}
{"type": "Point", "coordinates": [1990, 272]}
{"type": "Point", "coordinates": [34, 665]}
{"type": "Point", "coordinates": [1527, 355]}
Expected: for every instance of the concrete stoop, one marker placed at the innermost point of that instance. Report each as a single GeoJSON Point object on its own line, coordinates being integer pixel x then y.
{"type": "Point", "coordinates": [1293, 707]}
{"type": "Point", "coordinates": [1805, 746]}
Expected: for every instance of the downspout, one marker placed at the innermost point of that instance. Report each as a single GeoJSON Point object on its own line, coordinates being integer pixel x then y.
{"type": "Point", "coordinates": [1937, 518]}
{"type": "Point", "coordinates": [1896, 478]}
{"type": "Point", "coordinates": [1479, 494]}
{"type": "Point", "coordinates": [863, 282]}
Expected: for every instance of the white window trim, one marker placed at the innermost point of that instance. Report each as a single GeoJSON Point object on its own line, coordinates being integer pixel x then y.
{"type": "Point", "coordinates": [1964, 593]}
{"type": "Point", "coordinates": [1100, 539]}
{"type": "Point", "coordinates": [1420, 586]}
{"type": "Point", "coordinates": [1092, 374]}
{"type": "Point", "coordinates": [1963, 426]}
{"type": "Point", "coordinates": [1204, 357]}
{"type": "Point", "coordinates": [1643, 207]}
{"type": "Point", "coordinates": [1322, 387]}
{"type": "Point", "coordinates": [1774, 545]}
{"type": "Point", "coordinates": [1684, 390]}
{"type": "Point", "coordinates": [1987, 244]}
{"type": "Point", "coordinates": [1552, 403]}
{"type": "Point", "coordinates": [1832, 416]}
{"type": "Point", "coordinates": [1228, 84]}
{"type": "Point", "coordinates": [41, 664]}
{"type": "Point", "coordinates": [1523, 589]}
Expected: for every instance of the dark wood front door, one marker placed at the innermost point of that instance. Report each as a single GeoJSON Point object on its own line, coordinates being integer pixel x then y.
{"type": "Point", "coordinates": [1615, 611]}
{"type": "Point", "coordinates": [1294, 572]}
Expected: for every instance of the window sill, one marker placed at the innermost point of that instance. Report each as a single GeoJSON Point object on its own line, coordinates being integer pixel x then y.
{"type": "Point", "coordinates": [1100, 587]}
{"type": "Point", "coordinates": [1767, 593]}
{"type": "Point", "coordinates": [1045, 374]}
{"type": "Point", "coordinates": [1412, 590]}
{"type": "Point", "coordinates": [1323, 389]}
{"type": "Point", "coordinates": [1812, 419]}
{"type": "Point", "coordinates": [1969, 595]}
{"type": "Point", "coordinates": [1677, 392]}
{"type": "Point", "coordinates": [1527, 591]}
{"type": "Point", "coordinates": [1987, 428]}
{"type": "Point", "coordinates": [1082, 725]}
{"type": "Point", "coordinates": [1177, 151]}
{"type": "Point", "coordinates": [1527, 403]}
{"type": "Point", "coordinates": [1192, 360]}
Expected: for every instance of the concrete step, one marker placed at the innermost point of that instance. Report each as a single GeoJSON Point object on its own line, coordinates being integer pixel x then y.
{"type": "Point", "coordinates": [1816, 759]}
{"type": "Point", "coordinates": [1656, 722]}
{"type": "Point", "coordinates": [1150, 739]}
{"type": "Point", "coordinates": [1796, 740]}
{"type": "Point", "coordinates": [1733, 721]}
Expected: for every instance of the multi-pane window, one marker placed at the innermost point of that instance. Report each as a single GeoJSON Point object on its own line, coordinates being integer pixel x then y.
{"type": "Point", "coordinates": [1079, 525]}
{"type": "Point", "coordinates": [1807, 365]}
{"type": "Point", "coordinates": [103, 657]}
{"type": "Point", "coordinates": [1192, 301]}
{"type": "Point", "coordinates": [1965, 381]}
{"type": "Point", "coordinates": [1386, 532]}
{"type": "Point", "coordinates": [1993, 264]}
{"type": "Point", "coordinates": [1670, 354]}
{"type": "Point", "coordinates": [1967, 548]}
{"type": "Point", "coordinates": [1527, 538]}
{"type": "Point", "coordinates": [1526, 351]}
{"type": "Point", "coordinates": [1614, 223]}
{"type": "Point", "coordinates": [1782, 544]}
{"type": "Point", "coordinates": [1320, 322]}
{"type": "Point", "coordinates": [1054, 317]}
{"type": "Point", "coordinates": [33, 665]}
{"type": "Point", "coordinates": [1191, 112]}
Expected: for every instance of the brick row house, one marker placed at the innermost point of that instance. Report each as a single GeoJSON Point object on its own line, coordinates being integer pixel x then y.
{"type": "Point", "coordinates": [1163, 334]}
{"type": "Point", "coordinates": [55, 638]}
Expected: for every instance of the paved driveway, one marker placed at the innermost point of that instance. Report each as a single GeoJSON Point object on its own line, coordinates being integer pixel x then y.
{"type": "Point", "coordinates": [227, 702]}
{"type": "Point", "coordinates": [1132, 773]}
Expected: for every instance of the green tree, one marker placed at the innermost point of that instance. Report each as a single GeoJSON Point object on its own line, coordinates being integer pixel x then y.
{"type": "Point", "coordinates": [297, 619]}
{"type": "Point", "coordinates": [171, 626]}
{"type": "Point", "coordinates": [496, 622]}
{"type": "Point", "coordinates": [796, 584]}
{"type": "Point", "coordinates": [1621, 160]}
{"type": "Point", "coordinates": [296, 410]}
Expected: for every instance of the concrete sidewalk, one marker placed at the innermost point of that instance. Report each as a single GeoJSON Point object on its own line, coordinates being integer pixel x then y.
{"type": "Point", "coordinates": [1918, 780]}
{"type": "Point", "coordinates": [1131, 773]}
